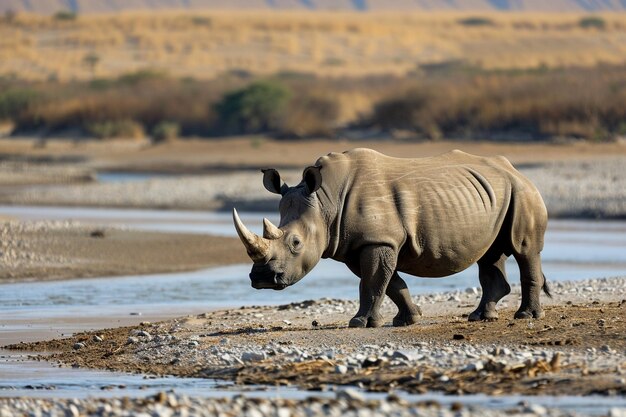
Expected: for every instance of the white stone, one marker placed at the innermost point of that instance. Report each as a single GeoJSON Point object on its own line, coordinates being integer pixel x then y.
{"type": "Point", "coordinates": [350, 395]}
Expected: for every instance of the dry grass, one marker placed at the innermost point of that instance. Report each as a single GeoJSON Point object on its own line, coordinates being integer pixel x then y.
{"type": "Point", "coordinates": [460, 102]}
{"type": "Point", "coordinates": [203, 45]}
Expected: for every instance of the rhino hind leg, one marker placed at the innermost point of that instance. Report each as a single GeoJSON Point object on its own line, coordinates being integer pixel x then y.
{"type": "Point", "coordinates": [495, 286]}
{"type": "Point", "coordinates": [533, 281]}
{"type": "Point", "coordinates": [408, 312]}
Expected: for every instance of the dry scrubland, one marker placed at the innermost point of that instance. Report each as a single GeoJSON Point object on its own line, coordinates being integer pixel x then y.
{"type": "Point", "coordinates": [203, 45]}
{"type": "Point", "coordinates": [296, 74]}
{"type": "Point", "coordinates": [457, 103]}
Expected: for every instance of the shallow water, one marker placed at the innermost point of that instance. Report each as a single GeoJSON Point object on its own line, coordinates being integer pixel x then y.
{"type": "Point", "coordinates": [32, 311]}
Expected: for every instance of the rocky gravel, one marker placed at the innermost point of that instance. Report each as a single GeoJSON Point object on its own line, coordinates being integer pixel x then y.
{"type": "Point", "coordinates": [13, 173]}
{"type": "Point", "coordinates": [573, 189]}
{"type": "Point", "coordinates": [46, 250]}
{"type": "Point", "coordinates": [582, 189]}
{"type": "Point", "coordinates": [578, 349]}
{"type": "Point", "coordinates": [17, 252]}
{"type": "Point", "coordinates": [347, 403]}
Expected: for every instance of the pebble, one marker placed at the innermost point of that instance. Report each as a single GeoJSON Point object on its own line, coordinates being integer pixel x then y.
{"type": "Point", "coordinates": [474, 367]}
{"type": "Point", "coordinates": [350, 395]}
{"type": "Point", "coordinates": [253, 356]}
{"type": "Point", "coordinates": [78, 346]}
{"type": "Point", "coordinates": [536, 409]}
{"type": "Point", "coordinates": [341, 369]}
{"type": "Point", "coordinates": [617, 412]}
{"type": "Point", "coordinates": [348, 402]}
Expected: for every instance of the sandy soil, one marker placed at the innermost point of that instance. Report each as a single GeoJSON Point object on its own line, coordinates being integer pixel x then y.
{"type": "Point", "coordinates": [578, 349]}
{"type": "Point", "coordinates": [200, 156]}
{"type": "Point", "coordinates": [61, 250]}
{"type": "Point", "coordinates": [576, 180]}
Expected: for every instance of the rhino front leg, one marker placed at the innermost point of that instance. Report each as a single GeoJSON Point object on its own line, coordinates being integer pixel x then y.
{"type": "Point", "coordinates": [408, 312]}
{"type": "Point", "coordinates": [377, 265]}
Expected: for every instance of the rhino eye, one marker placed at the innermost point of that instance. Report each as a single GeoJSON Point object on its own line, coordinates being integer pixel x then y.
{"type": "Point", "coordinates": [296, 244]}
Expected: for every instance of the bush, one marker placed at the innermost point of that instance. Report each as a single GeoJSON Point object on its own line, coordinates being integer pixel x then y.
{"type": "Point", "coordinates": [15, 101]}
{"type": "Point", "coordinates": [65, 15]}
{"type": "Point", "coordinates": [309, 116]}
{"type": "Point", "coordinates": [126, 129]}
{"type": "Point", "coordinates": [252, 109]}
{"type": "Point", "coordinates": [476, 21]}
{"type": "Point", "coordinates": [133, 78]}
{"type": "Point", "coordinates": [592, 22]}
{"type": "Point", "coordinates": [165, 131]}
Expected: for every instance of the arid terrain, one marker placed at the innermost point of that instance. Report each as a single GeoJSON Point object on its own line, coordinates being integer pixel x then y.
{"type": "Point", "coordinates": [578, 349]}
{"type": "Point", "coordinates": [205, 44]}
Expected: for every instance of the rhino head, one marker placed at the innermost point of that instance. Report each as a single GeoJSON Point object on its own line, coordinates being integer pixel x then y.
{"type": "Point", "coordinates": [285, 254]}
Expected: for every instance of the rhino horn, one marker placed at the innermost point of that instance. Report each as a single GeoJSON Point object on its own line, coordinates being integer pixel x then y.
{"type": "Point", "coordinates": [270, 231]}
{"type": "Point", "coordinates": [257, 247]}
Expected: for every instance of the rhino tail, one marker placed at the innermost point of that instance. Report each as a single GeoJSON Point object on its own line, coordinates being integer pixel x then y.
{"type": "Point", "coordinates": [546, 287]}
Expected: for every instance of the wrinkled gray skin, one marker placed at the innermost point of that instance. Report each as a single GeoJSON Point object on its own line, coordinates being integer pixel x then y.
{"type": "Point", "coordinates": [428, 217]}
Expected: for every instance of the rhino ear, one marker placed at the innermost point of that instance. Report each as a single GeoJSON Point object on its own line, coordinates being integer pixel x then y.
{"type": "Point", "coordinates": [312, 178]}
{"type": "Point", "coordinates": [272, 181]}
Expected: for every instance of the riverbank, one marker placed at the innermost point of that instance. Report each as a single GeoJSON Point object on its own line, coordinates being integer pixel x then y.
{"type": "Point", "coordinates": [49, 250]}
{"type": "Point", "coordinates": [576, 180]}
{"type": "Point", "coordinates": [578, 349]}
{"type": "Point", "coordinates": [347, 403]}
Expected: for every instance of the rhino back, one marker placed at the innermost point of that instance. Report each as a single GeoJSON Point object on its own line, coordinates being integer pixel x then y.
{"type": "Point", "coordinates": [440, 213]}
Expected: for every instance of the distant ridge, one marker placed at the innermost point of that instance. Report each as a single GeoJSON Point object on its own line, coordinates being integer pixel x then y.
{"type": "Point", "coordinates": [110, 6]}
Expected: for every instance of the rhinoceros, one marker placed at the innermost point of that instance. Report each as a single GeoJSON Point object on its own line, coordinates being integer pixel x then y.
{"type": "Point", "coordinates": [428, 217]}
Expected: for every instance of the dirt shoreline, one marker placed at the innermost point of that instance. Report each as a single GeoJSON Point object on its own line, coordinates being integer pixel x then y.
{"type": "Point", "coordinates": [578, 349]}
{"type": "Point", "coordinates": [576, 180]}
{"type": "Point", "coordinates": [53, 250]}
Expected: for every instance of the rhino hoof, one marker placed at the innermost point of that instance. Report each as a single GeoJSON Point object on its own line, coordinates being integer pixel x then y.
{"type": "Point", "coordinates": [483, 315]}
{"type": "Point", "coordinates": [530, 314]}
{"type": "Point", "coordinates": [359, 322]}
{"type": "Point", "coordinates": [402, 320]}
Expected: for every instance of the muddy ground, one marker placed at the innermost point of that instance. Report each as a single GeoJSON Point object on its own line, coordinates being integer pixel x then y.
{"type": "Point", "coordinates": [49, 250]}
{"type": "Point", "coordinates": [578, 349]}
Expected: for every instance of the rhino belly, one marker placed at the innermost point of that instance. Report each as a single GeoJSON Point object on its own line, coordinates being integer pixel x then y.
{"type": "Point", "coordinates": [447, 249]}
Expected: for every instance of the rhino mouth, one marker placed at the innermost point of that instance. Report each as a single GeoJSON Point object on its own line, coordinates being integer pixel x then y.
{"type": "Point", "coordinates": [268, 282]}
{"type": "Point", "coordinates": [268, 286]}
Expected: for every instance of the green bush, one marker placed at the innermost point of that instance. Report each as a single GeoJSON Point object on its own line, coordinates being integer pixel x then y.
{"type": "Point", "coordinates": [592, 22]}
{"type": "Point", "coordinates": [252, 109]}
{"type": "Point", "coordinates": [65, 15]}
{"type": "Point", "coordinates": [126, 129]}
{"type": "Point", "coordinates": [476, 21]}
{"type": "Point", "coordinates": [165, 131]}
{"type": "Point", "coordinates": [14, 101]}
{"type": "Point", "coordinates": [137, 77]}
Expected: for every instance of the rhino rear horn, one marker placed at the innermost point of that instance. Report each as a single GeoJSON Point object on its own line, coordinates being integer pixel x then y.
{"type": "Point", "coordinates": [270, 231]}
{"type": "Point", "coordinates": [257, 247]}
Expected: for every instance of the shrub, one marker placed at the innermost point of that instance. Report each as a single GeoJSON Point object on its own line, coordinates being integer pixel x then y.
{"type": "Point", "coordinates": [592, 22]}
{"type": "Point", "coordinates": [165, 131]}
{"type": "Point", "coordinates": [252, 109]}
{"type": "Point", "coordinates": [126, 129]}
{"type": "Point", "coordinates": [133, 78]}
{"type": "Point", "coordinates": [65, 15]}
{"type": "Point", "coordinates": [15, 101]}
{"type": "Point", "coordinates": [309, 116]}
{"type": "Point", "coordinates": [476, 21]}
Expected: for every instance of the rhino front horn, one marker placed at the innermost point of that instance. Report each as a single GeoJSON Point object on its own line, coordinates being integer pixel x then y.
{"type": "Point", "coordinates": [270, 231]}
{"type": "Point", "coordinates": [256, 246]}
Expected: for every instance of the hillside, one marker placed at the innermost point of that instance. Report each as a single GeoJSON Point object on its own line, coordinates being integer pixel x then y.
{"type": "Point", "coordinates": [108, 6]}
{"type": "Point", "coordinates": [205, 44]}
